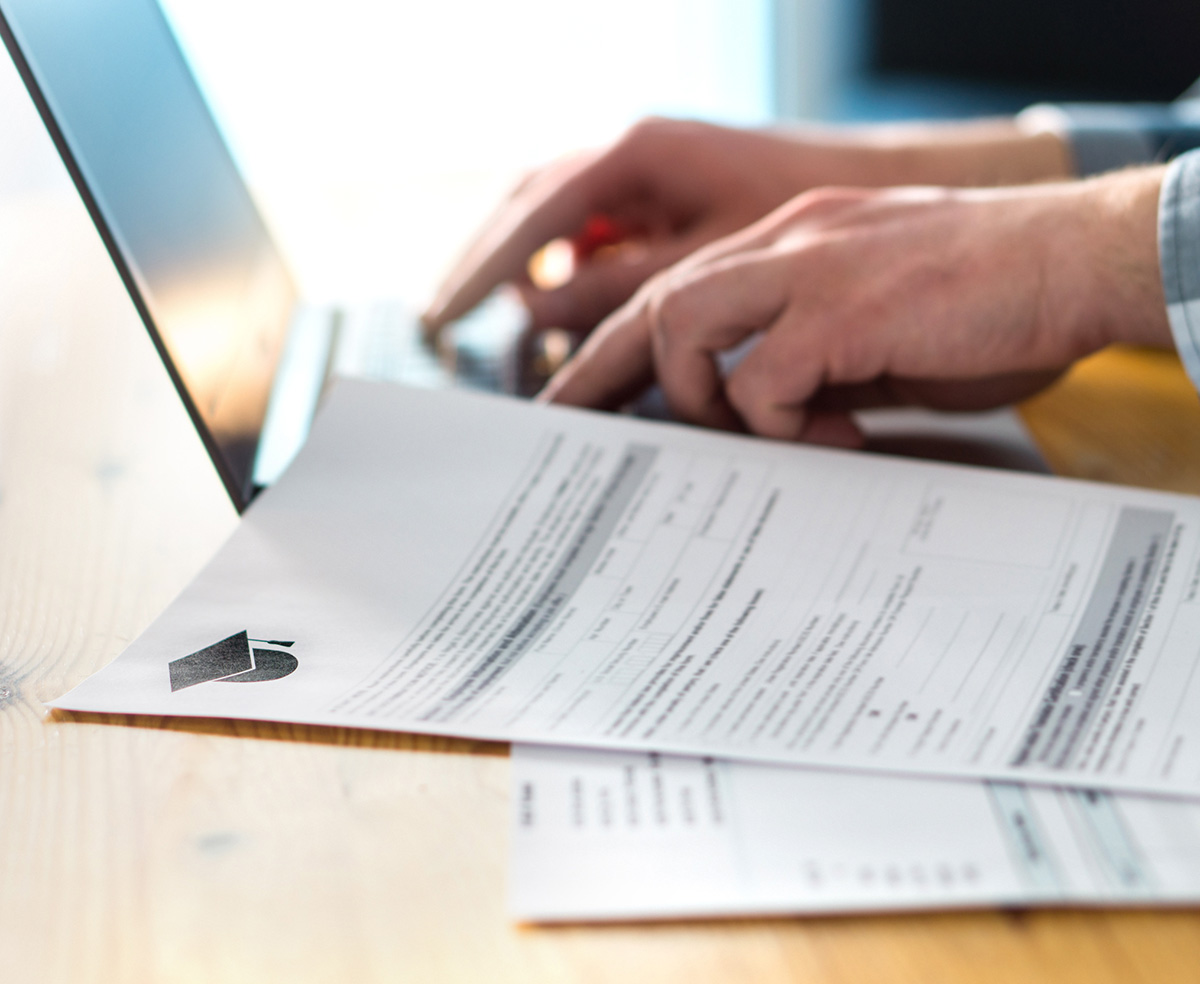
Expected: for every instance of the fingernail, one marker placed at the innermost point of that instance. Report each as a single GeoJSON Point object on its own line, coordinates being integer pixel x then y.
{"type": "Point", "coordinates": [547, 393]}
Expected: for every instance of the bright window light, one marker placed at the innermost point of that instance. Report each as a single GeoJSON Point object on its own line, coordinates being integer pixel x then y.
{"type": "Point", "coordinates": [423, 112]}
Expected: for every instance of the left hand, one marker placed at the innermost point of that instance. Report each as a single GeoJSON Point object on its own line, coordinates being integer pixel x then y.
{"type": "Point", "coordinates": [944, 298]}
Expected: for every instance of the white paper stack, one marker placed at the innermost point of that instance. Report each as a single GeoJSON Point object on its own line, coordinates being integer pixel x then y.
{"type": "Point", "coordinates": [467, 565]}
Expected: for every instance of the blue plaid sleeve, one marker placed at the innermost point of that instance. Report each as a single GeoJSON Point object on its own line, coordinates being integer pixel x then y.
{"type": "Point", "coordinates": [1105, 137]}
{"type": "Point", "coordinates": [1179, 256]}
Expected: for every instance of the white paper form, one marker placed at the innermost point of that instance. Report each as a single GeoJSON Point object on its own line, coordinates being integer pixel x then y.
{"type": "Point", "coordinates": [460, 564]}
{"type": "Point", "coordinates": [624, 835]}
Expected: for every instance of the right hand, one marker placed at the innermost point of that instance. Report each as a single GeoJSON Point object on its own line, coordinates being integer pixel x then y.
{"type": "Point", "coordinates": [674, 185]}
{"type": "Point", "coordinates": [946, 298]}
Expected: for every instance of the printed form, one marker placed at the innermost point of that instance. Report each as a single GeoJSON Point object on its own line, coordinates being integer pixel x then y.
{"type": "Point", "coordinates": [628, 835]}
{"type": "Point", "coordinates": [459, 564]}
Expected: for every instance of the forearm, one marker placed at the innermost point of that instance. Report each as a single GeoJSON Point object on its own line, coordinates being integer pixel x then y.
{"type": "Point", "coordinates": [978, 153]}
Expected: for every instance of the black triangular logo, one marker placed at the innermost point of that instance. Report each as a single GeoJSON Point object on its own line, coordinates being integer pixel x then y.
{"type": "Point", "coordinates": [232, 660]}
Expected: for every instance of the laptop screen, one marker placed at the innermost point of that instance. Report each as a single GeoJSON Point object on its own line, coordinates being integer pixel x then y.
{"type": "Point", "coordinates": [125, 111]}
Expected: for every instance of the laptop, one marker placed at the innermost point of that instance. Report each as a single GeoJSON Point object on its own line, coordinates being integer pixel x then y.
{"type": "Point", "coordinates": [248, 356]}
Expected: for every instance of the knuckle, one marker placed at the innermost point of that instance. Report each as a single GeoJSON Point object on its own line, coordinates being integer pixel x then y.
{"type": "Point", "coordinates": [671, 310]}
{"type": "Point", "coordinates": [646, 130]}
{"type": "Point", "coordinates": [660, 134]}
{"type": "Point", "coordinates": [852, 353]}
{"type": "Point", "coordinates": [818, 202]}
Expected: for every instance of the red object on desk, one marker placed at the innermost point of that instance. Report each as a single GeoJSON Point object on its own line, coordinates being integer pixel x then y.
{"type": "Point", "coordinates": [598, 232]}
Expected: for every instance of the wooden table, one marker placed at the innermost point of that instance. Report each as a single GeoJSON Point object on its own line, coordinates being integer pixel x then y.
{"type": "Point", "coordinates": [136, 849]}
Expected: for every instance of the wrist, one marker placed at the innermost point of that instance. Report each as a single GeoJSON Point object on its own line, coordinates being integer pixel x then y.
{"type": "Point", "coordinates": [1103, 262]}
{"type": "Point", "coordinates": [983, 154]}
{"type": "Point", "coordinates": [973, 154]}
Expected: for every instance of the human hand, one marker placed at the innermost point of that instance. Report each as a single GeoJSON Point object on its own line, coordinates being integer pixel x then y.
{"type": "Point", "coordinates": [935, 297]}
{"type": "Point", "coordinates": [669, 187]}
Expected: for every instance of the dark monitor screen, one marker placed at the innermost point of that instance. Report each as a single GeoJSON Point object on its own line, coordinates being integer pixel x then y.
{"type": "Point", "coordinates": [125, 111]}
{"type": "Point", "coordinates": [1072, 49]}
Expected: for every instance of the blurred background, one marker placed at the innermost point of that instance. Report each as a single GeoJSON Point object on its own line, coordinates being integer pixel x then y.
{"type": "Point", "coordinates": [377, 134]}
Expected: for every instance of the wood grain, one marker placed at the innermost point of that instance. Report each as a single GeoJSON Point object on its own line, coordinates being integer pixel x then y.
{"type": "Point", "coordinates": [148, 850]}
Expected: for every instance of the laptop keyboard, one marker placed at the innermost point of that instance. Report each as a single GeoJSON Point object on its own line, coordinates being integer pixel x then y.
{"type": "Point", "coordinates": [486, 350]}
{"type": "Point", "coordinates": [384, 341]}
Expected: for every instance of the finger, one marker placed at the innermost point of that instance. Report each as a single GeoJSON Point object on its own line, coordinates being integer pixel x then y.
{"type": "Point", "coordinates": [784, 382]}
{"type": "Point", "coordinates": [771, 387]}
{"type": "Point", "coordinates": [614, 365]}
{"type": "Point", "coordinates": [554, 204]}
{"type": "Point", "coordinates": [600, 287]}
{"type": "Point", "coordinates": [871, 395]}
{"type": "Point", "coordinates": [978, 393]}
{"type": "Point", "coordinates": [973, 394]}
{"type": "Point", "coordinates": [723, 293]}
{"type": "Point", "coordinates": [837, 430]}
{"type": "Point", "coordinates": [699, 312]}
{"type": "Point", "coordinates": [501, 248]}
{"type": "Point", "coordinates": [597, 289]}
